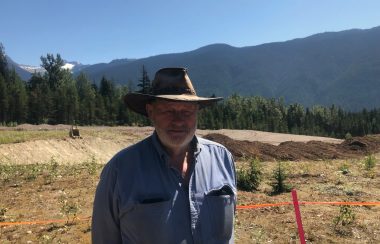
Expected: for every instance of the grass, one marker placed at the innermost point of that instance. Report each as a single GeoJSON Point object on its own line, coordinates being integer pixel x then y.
{"type": "Point", "coordinates": [10, 136]}
{"type": "Point", "coordinates": [65, 191]}
{"type": "Point", "coordinates": [320, 181]}
{"type": "Point", "coordinates": [44, 192]}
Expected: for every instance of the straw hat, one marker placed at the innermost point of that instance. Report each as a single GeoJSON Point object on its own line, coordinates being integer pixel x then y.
{"type": "Point", "coordinates": [168, 84]}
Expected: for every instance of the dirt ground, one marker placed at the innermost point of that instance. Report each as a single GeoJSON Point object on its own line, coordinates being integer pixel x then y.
{"type": "Point", "coordinates": [102, 142]}
{"type": "Point", "coordinates": [55, 179]}
{"type": "Point", "coordinates": [296, 151]}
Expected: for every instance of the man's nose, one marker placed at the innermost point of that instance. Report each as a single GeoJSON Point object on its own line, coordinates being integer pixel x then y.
{"type": "Point", "coordinates": [178, 116]}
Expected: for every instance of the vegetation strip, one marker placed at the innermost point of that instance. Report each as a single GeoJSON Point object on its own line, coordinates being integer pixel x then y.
{"type": "Point", "coordinates": [264, 205]}
{"type": "Point", "coordinates": [42, 221]}
{"type": "Point", "coordinates": [239, 207]}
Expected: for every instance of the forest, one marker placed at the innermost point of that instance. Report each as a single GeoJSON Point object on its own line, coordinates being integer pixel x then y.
{"type": "Point", "coordinates": [57, 97]}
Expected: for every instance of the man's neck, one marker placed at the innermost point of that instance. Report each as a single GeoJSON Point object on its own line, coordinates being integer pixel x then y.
{"type": "Point", "coordinates": [181, 160]}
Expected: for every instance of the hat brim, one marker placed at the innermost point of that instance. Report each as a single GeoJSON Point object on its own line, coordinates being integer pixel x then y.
{"type": "Point", "coordinates": [137, 101]}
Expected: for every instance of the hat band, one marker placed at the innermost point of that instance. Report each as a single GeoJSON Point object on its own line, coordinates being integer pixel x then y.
{"type": "Point", "coordinates": [173, 91]}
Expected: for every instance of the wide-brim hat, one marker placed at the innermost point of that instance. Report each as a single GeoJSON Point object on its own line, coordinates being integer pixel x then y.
{"type": "Point", "coordinates": [169, 84]}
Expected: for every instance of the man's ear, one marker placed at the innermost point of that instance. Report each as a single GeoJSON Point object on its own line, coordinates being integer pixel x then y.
{"type": "Point", "coordinates": [149, 109]}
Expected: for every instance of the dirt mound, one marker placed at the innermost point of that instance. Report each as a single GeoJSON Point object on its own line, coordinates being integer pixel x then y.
{"type": "Point", "coordinates": [295, 151]}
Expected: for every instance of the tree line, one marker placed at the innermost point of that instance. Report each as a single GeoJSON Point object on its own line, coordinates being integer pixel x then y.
{"type": "Point", "coordinates": [57, 97]}
{"type": "Point", "coordinates": [273, 115]}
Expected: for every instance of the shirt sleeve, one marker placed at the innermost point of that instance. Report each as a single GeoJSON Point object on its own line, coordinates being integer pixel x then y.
{"type": "Point", "coordinates": [105, 221]}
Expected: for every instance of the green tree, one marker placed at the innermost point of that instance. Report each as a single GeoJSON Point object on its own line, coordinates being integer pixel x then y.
{"type": "Point", "coordinates": [295, 116]}
{"type": "Point", "coordinates": [39, 99]}
{"type": "Point", "coordinates": [54, 72]}
{"type": "Point", "coordinates": [86, 95]}
{"type": "Point", "coordinates": [18, 100]}
{"type": "Point", "coordinates": [3, 62]}
{"type": "Point", "coordinates": [110, 99]}
{"type": "Point", "coordinates": [66, 100]}
{"type": "Point", "coordinates": [144, 82]}
{"type": "Point", "coordinates": [3, 100]}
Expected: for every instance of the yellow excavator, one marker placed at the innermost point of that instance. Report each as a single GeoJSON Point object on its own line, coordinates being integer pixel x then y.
{"type": "Point", "coordinates": [74, 132]}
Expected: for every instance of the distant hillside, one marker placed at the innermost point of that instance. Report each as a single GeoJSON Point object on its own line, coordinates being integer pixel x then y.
{"type": "Point", "coordinates": [24, 74]}
{"type": "Point", "coordinates": [340, 68]}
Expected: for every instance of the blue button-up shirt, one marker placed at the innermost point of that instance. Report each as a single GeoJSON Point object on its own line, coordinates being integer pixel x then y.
{"type": "Point", "coordinates": [141, 199]}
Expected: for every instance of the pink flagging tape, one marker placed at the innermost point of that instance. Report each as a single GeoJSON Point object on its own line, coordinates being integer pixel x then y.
{"type": "Point", "coordinates": [297, 211]}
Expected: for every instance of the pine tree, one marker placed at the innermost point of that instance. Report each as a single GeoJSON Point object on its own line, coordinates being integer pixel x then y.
{"type": "Point", "coordinates": [39, 100]}
{"type": "Point", "coordinates": [3, 62]}
{"type": "Point", "coordinates": [18, 100]}
{"type": "Point", "coordinates": [144, 82]}
{"type": "Point", "coordinates": [3, 100]}
{"type": "Point", "coordinates": [86, 96]}
{"type": "Point", "coordinates": [54, 72]}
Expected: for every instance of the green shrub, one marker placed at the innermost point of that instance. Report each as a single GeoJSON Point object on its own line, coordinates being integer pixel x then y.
{"type": "Point", "coordinates": [250, 179]}
{"type": "Point", "coordinates": [369, 162]}
{"type": "Point", "coordinates": [278, 183]}
{"type": "Point", "coordinates": [2, 214]}
{"type": "Point", "coordinates": [344, 168]}
{"type": "Point", "coordinates": [346, 216]}
{"type": "Point", "coordinates": [348, 136]}
{"type": "Point", "coordinates": [91, 165]}
{"type": "Point", "coordinates": [69, 208]}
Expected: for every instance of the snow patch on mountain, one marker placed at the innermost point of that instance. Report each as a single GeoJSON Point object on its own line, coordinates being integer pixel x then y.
{"type": "Point", "coordinates": [68, 66]}
{"type": "Point", "coordinates": [32, 69]}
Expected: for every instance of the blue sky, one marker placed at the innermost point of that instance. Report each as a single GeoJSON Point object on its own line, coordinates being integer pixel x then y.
{"type": "Point", "coordinates": [94, 31]}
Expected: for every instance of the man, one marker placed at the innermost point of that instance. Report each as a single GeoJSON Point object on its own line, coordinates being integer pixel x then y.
{"type": "Point", "coordinates": [172, 187]}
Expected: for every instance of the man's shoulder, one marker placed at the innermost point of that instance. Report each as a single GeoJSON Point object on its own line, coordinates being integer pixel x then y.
{"type": "Point", "coordinates": [132, 151]}
{"type": "Point", "coordinates": [211, 144]}
{"type": "Point", "coordinates": [138, 146]}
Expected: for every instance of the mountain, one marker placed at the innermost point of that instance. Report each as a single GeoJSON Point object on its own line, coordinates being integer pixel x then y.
{"type": "Point", "coordinates": [26, 71]}
{"type": "Point", "coordinates": [22, 72]}
{"type": "Point", "coordinates": [74, 66]}
{"type": "Point", "coordinates": [341, 68]}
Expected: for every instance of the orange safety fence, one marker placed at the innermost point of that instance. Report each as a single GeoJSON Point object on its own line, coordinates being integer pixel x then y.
{"type": "Point", "coordinates": [239, 207]}
{"type": "Point", "coordinates": [306, 203]}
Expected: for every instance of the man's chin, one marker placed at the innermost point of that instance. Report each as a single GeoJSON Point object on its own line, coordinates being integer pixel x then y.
{"type": "Point", "coordinates": [177, 142]}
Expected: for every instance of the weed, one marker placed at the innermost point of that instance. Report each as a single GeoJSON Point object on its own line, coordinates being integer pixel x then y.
{"type": "Point", "coordinates": [278, 180]}
{"type": "Point", "coordinates": [344, 168]}
{"type": "Point", "coordinates": [345, 218]}
{"type": "Point", "coordinates": [2, 214]}
{"type": "Point", "coordinates": [348, 136]}
{"type": "Point", "coordinates": [250, 179]}
{"type": "Point", "coordinates": [51, 171]}
{"type": "Point", "coordinates": [369, 162]}
{"type": "Point", "coordinates": [69, 208]}
{"type": "Point", "coordinates": [6, 172]}
{"type": "Point", "coordinates": [32, 171]}
{"type": "Point", "coordinates": [91, 166]}
{"type": "Point", "coordinates": [53, 166]}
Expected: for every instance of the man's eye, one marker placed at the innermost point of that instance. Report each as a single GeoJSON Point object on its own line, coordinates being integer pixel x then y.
{"type": "Point", "coordinates": [187, 113]}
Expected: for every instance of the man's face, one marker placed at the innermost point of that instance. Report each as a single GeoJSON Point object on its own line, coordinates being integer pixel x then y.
{"type": "Point", "coordinates": [175, 122]}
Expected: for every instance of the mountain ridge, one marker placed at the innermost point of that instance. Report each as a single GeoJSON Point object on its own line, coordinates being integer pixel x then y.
{"type": "Point", "coordinates": [341, 68]}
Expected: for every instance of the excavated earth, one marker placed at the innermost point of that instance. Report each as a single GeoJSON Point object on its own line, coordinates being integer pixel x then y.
{"type": "Point", "coordinates": [296, 151]}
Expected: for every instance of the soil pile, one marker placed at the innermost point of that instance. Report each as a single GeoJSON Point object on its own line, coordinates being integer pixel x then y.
{"type": "Point", "coordinates": [296, 151]}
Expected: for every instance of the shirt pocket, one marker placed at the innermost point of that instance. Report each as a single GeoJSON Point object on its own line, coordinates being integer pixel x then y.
{"type": "Point", "coordinates": [220, 205]}
{"type": "Point", "coordinates": [147, 222]}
